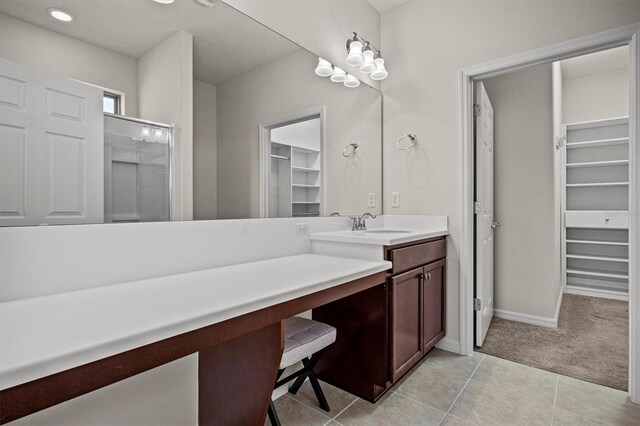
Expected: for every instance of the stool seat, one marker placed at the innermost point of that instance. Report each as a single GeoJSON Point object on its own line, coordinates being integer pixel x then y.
{"type": "Point", "coordinates": [303, 338]}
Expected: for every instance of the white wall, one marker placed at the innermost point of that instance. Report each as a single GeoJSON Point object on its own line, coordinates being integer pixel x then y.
{"type": "Point", "coordinates": [305, 134]}
{"type": "Point", "coordinates": [321, 26]}
{"type": "Point", "coordinates": [526, 266]}
{"type": "Point", "coordinates": [425, 44]}
{"type": "Point", "coordinates": [280, 89]}
{"type": "Point", "coordinates": [69, 57]}
{"type": "Point", "coordinates": [165, 95]}
{"type": "Point", "coordinates": [596, 96]}
{"type": "Point", "coordinates": [205, 151]}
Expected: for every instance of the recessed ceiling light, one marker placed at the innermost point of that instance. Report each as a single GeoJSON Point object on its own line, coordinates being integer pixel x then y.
{"type": "Point", "coordinates": [164, 1]}
{"type": "Point", "coordinates": [60, 15]}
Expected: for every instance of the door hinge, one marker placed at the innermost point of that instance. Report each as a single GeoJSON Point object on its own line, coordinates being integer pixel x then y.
{"type": "Point", "coordinates": [476, 110]}
{"type": "Point", "coordinates": [477, 304]}
{"type": "Point", "coordinates": [560, 141]}
{"type": "Point", "coordinates": [476, 207]}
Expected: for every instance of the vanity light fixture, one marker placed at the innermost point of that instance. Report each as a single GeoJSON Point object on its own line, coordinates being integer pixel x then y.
{"type": "Point", "coordinates": [336, 74]}
{"type": "Point", "coordinates": [362, 53]}
{"type": "Point", "coordinates": [60, 15]}
{"type": "Point", "coordinates": [351, 81]}
{"type": "Point", "coordinates": [339, 75]}
{"type": "Point", "coordinates": [164, 1]}
{"type": "Point", "coordinates": [324, 68]}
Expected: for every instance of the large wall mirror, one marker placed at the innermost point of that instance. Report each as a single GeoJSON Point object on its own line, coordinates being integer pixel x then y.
{"type": "Point", "coordinates": [117, 111]}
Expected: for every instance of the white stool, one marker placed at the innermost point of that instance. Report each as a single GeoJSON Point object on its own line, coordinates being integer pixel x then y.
{"type": "Point", "coordinates": [305, 341]}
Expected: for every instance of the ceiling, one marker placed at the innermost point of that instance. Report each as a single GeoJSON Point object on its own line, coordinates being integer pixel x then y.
{"type": "Point", "coordinates": [132, 27]}
{"type": "Point", "coordinates": [593, 63]}
{"type": "Point", "coordinates": [384, 5]}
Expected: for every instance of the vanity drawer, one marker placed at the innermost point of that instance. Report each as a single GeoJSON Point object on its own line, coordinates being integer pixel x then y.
{"type": "Point", "coordinates": [409, 257]}
{"type": "Point", "coordinates": [597, 219]}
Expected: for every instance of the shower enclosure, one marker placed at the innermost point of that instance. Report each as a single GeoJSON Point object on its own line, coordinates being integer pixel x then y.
{"type": "Point", "coordinates": [137, 170]}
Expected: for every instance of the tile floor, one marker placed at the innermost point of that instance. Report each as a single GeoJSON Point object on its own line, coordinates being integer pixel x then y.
{"type": "Point", "coordinates": [449, 389]}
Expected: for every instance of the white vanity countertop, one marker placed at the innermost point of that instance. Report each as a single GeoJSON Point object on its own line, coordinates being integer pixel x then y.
{"type": "Point", "coordinates": [43, 335]}
{"type": "Point", "coordinates": [407, 229]}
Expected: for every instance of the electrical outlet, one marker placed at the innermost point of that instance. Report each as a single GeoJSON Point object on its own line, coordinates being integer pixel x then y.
{"type": "Point", "coordinates": [302, 228]}
{"type": "Point", "coordinates": [371, 199]}
{"type": "Point", "coordinates": [395, 199]}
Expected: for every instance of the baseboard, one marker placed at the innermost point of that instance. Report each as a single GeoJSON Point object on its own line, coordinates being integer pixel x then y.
{"type": "Point", "coordinates": [525, 318]}
{"type": "Point", "coordinates": [605, 294]}
{"type": "Point", "coordinates": [448, 344]}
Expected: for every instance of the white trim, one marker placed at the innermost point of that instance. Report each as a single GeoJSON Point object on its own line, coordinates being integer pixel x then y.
{"type": "Point", "coordinates": [448, 344]}
{"type": "Point", "coordinates": [525, 318]}
{"type": "Point", "coordinates": [605, 294]}
{"type": "Point", "coordinates": [629, 35]}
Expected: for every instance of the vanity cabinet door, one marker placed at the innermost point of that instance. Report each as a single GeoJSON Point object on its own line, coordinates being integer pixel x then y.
{"type": "Point", "coordinates": [406, 339]}
{"type": "Point", "coordinates": [433, 304]}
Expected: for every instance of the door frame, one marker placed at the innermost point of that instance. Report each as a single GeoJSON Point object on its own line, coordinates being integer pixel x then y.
{"type": "Point", "coordinates": [265, 149]}
{"type": "Point", "coordinates": [624, 36]}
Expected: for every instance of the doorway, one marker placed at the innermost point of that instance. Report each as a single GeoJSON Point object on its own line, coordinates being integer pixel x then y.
{"type": "Point", "coordinates": [291, 165]}
{"type": "Point", "coordinates": [624, 36]}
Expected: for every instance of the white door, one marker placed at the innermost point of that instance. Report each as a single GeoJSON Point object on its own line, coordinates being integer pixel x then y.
{"type": "Point", "coordinates": [485, 223]}
{"type": "Point", "coordinates": [51, 149]}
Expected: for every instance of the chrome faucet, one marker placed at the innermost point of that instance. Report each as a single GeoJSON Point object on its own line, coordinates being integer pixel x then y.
{"type": "Point", "coordinates": [358, 223]}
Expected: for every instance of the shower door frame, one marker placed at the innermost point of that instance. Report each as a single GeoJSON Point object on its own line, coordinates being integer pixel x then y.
{"type": "Point", "coordinates": [171, 143]}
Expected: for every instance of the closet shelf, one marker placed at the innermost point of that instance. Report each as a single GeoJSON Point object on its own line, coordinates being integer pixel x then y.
{"type": "Point", "coordinates": [598, 242]}
{"type": "Point", "coordinates": [598, 164]}
{"type": "Point", "coordinates": [602, 258]}
{"type": "Point", "coordinates": [304, 169]}
{"type": "Point", "coordinates": [599, 142]}
{"type": "Point", "coordinates": [307, 150]}
{"type": "Point", "coordinates": [587, 185]}
{"type": "Point", "coordinates": [596, 273]}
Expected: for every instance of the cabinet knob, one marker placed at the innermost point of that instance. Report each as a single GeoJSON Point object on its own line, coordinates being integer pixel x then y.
{"type": "Point", "coordinates": [428, 275]}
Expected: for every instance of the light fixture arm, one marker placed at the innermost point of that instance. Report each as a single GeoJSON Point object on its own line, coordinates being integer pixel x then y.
{"type": "Point", "coordinates": [366, 43]}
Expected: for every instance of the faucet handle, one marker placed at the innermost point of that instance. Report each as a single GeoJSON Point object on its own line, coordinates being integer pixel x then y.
{"type": "Point", "coordinates": [355, 223]}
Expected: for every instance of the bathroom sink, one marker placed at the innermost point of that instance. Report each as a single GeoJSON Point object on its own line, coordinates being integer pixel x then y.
{"type": "Point", "coordinates": [385, 231]}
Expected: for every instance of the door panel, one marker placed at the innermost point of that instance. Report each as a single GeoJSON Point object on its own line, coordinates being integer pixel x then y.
{"type": "Point", "coordinates": [54, 126]}
{"type": "Point", "coordinates": [405, 321]}
{"type": "Point", "coordinates": [484, 213]}
{"type": "Point", "coordinates": [433, 305]}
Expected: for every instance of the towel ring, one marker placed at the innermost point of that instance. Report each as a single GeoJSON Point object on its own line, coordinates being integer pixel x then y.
{"type": "Point", "coordinates": [414, 140]}
{"type": "Point", "coordinates": [354, 148]}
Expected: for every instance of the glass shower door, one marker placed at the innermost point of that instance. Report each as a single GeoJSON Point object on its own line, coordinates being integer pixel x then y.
{"type": "Point", "coordinates": [137, 170]}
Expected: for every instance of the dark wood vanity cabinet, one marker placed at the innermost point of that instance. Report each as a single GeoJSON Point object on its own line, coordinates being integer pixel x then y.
{"type": "Point", "coordinates": [385, 331]}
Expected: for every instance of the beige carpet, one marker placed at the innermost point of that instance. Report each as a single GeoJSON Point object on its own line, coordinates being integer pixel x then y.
{"type": "Point", "coordinates": [590, 343]}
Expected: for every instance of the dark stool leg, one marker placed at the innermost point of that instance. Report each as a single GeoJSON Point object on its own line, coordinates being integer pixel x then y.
{"type": "Point", "coordinates": [273, 415]}
{"type": "Point", "coordinates": [318, 391]}
{"type": "Point", "coordinates": [295, 387]}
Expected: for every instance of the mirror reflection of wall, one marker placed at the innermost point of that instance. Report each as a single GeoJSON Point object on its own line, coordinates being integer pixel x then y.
{"type": "Point", "coordinates": [211, 75]}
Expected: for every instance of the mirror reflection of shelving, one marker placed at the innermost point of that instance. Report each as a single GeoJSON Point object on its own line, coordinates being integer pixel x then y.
{"type": "Point", "coordinates": [597, 203]}
{"type": "Point", "coordinates": [295, 188]}
{"type": "Point", "coordinates": [136, 170]}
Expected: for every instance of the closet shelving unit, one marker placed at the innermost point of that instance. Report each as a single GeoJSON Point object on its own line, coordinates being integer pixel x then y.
{"type": "Point", "coordinates": [596, 201]}
{"type": "Point", "coordinates": [295, 185]}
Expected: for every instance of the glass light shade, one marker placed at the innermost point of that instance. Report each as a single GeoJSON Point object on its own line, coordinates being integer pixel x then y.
{"type": "Point", "coordinates": [355, 57]}
{"type": "Point", "coordinates": [338, 75]}
{"type": "Point", "coordinates": [368, 66]}
{"type": "Point", "coordinates": [324, 68]}
{"type": "Point", "coordinates": [351, 81]}
{"type": "Point", "coordinates": [381, 72]}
